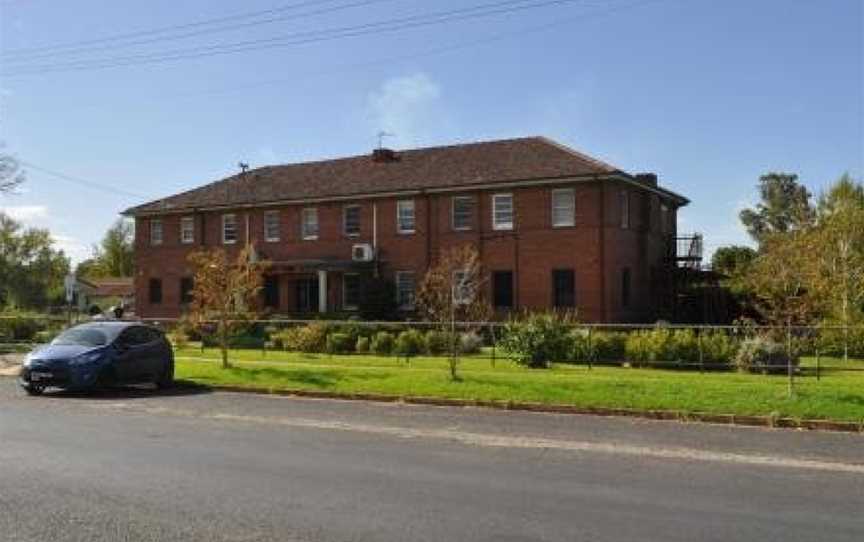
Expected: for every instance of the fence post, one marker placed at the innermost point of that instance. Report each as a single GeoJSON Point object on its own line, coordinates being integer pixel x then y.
{"type": "Point", "coordinates": [701, 356]}
{"type": "Point", "coordinates": [818, 367]}
{"type": "Point", "coordinates": [791, 390]}
{"type": "Point", "coordinates": [494, 340]}
{"type": "Point", "coordinates": [590, 350]}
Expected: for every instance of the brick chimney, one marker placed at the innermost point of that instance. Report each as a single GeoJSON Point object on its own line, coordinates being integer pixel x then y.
{"type": "Point", "coordinates": [384, 155]}
{"type": "Point", "coordinates": [649, 179]}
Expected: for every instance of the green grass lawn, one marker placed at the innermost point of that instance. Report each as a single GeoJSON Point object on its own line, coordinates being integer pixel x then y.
{"type": "Point", "coordinates": [839, 395]}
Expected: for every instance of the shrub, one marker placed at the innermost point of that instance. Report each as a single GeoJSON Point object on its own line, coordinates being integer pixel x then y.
{"type": "Point", "coordinates": [382, 343]}
{"type": "Point", "coordinates": [718, 347]}
{"type": "Point", "coordinates": [20, 328]}
{"type": "Point", "coordinates": [436, 342]}
{"type": "Point", "coordinates": [340, 343]}
{"type": "Point", "coordinates": [609, 346]}
{"type": "Point", "coordinates": [760, 354]}
{"type": "Point", "coordinates": [470, 343]}
{"type": "Point", "coordinates": [362, 345]}
{"type": "Point", "coordinates": [311, 338]}
{"type": "Point", "coordinates": [537, 339]}
{"type": "Point", "coordinates": [663, 345]}
{"type": "Point", "coordinates": [409, 343]}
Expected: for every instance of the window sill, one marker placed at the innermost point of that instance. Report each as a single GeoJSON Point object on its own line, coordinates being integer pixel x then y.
{"type": "Point", "coordinates": [272, 240]}
{"type": "Point", "coordinates": [311, 238]}
{"type": "Point", "coordinates": [406, 232]}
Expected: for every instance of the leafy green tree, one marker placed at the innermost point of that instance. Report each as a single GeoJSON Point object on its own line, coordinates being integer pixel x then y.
{"type": "Point", "coordinates": [31, 269]}
{"type": "Point", "coordinates": [733, 261]}
{"type": "Point", "coordinates": [784, 207]}
{"type": "Point", "coordinates": [114, 256]}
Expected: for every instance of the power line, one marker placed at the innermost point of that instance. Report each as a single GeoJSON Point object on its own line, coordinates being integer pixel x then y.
{"type": "Point", "coordinates": [458, 46]}
{"type": "Point", "coordinates": [166, 29]}
{"type": "Point", "coordinates": [99, 48]}
{"type": "Point", "coordinates": [84, 182]}
{"type": "Point", "coordinates": [391, 25]}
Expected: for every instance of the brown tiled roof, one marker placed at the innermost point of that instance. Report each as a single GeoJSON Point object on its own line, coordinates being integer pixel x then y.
{"type": "Point", "coordinates": [113, 287]}
{"type": "Point", "coordinates": [454, 166]}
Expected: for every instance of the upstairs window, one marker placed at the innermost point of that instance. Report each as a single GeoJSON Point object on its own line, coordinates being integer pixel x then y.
{"type": "Point", "coordinates": [310, 224]}
{"type": "Point", "coordinates": [187, 230]}
{"type": "Point", "coordinates": [502, 212]}
{"type": "Point", "coordinates": [563, 288]}
{"type": "Point", "coordinates": [405, 219]}
{"type": "Point", "coordinates": [351, 220]}
{"type": "Point", "coordinates": [155, 231]}
{"type": "Point", "coordinates": [229, 229]}
{"type": "Point", "coordinates": [624, 204]}
{"type": "Point", "coordinates": [271, 226]}
{"type": "Point", "coordinates": [563, 207]}
{"type": "Point", "coordinates": [405, 289]}
{"type": "Point", "coordinates": [664, 218]}
{"type": "Point", "coordinates": [463, 212]}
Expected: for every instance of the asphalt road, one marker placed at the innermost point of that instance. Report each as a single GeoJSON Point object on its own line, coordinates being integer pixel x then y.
{"type": "Point", "coordinates": [133, 465]}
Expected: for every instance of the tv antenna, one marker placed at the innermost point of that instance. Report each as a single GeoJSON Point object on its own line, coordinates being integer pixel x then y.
{"type": "Point", "coordinates": [381, 135]}
{"type": "Point", "coordinates": [244, 167]}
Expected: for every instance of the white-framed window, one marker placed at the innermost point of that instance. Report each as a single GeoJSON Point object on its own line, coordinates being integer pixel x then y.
{"type": "Point", "coordinates": [462, 212]}
{"type": "Point", "coordinates": [272, 227]}
{"type": "Point", "coordinates": [309, 227]}
{"type": "Point", "coordinates": [502, 212]}
{"type": "Point", "coordinates": [351, 220]}
{"type": "Point", "coordinates": [563, 207]}
{"type": "Point", "coordinates": [405, 222]}
{"type": "Point", "coordinates": [229, 229]}
{"type": "Point", "coordinates": [350, 291]}
{"type": "Point", "coordinates": [155, 231]}
{"type": "Point", "coordinates": [405, 289]}
{"type": "Point", "coordinates": [624, 203]}
{"type": "Point", "coordinates": [187, 230]}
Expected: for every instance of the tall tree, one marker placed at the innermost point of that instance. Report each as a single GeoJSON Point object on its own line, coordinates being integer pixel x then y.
{"type": "Point", "coordinates": [784, 207]}
{"type": "Point", "coordinates": [31, 269]}
{"type": "Point", "coordinates": [11, 174]}
{"type": "Point", "coordinates": [225, 293]}
{"type": "Point", "coordinates": [114, 256]}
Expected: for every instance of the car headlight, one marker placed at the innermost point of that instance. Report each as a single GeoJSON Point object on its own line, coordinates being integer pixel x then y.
{"type": "Point", "coordinates": [27, 360]}
{"type": "Point", "coordinates": [84, 359]}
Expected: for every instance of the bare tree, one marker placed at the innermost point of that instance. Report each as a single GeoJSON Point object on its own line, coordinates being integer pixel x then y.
{"type": "Point", "coordinates": [451, 291]}
{"type": "Point", "coordinates": [225, 292]}
{"type": "Point", "coordinates": [11, 174]}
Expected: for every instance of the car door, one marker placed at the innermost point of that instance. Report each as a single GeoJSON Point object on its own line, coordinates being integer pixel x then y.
{"type": "Point", "coordinates": [155, 353]}
{"type": "Point", "coordinates": [130, 365]}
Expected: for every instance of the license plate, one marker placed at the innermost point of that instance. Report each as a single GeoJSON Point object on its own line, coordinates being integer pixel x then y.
{"type": "Point", "coordinates": [37, 376]}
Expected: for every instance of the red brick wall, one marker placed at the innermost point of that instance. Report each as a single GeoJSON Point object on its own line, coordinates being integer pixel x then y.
{"type": "Point", "coordinates": [532, 250]}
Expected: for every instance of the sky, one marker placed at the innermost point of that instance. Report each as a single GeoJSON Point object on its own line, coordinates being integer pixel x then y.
{"type": "Point", "coordinates": [709, 95]}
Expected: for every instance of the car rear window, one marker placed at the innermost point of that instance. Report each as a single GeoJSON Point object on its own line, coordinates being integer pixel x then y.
{"type": "Point", "coordinates": [82, 336]}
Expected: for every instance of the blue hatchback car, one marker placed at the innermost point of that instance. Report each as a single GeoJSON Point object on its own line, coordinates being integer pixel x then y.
{"type": "Point", "coordinates": [100, 354]}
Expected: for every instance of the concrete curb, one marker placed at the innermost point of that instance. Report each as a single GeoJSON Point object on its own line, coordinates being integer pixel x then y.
{"type": "Point", "coordinates": [667, 415]}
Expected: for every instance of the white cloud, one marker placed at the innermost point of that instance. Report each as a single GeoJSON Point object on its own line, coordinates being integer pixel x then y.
{"type": "Point", "coordinates": [75, 249]}
{"type": "Point", "coordinates": [407, 107]}
{"type": "Point", "coordinates": [26, 213]}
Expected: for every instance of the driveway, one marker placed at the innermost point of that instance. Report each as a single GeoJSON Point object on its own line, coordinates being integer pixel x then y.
{"type": "Point", "coordinates": [134, 465]}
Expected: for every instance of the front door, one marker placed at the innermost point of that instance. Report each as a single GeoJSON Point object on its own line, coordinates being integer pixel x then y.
{"type": "Point", "coordinates": [307, 295]}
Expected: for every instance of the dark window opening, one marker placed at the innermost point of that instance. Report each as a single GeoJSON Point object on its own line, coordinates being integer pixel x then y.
{"type": "Point", "coordinates": [155, 291]}
{"type": "Point", "coordinates": [563, 288]}
{"type": "Point", "coordinates": [625, 287]}
{"type": "Point", "coordinates": [187, 284]}
{"type": "Point", "coordinates": [271, 292]}
{"type": "Point", "coordinates": [502, 289]}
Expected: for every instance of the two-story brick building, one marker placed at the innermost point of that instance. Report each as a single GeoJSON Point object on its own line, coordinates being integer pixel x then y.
{"type": "Point", "coordinates": [554, 228]}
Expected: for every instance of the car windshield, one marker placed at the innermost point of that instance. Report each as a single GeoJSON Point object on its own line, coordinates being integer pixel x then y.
{"type": "Point", "coordinates": [82, 336]}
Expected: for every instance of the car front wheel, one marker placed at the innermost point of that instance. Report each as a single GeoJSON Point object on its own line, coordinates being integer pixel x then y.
{"type": "Point", "coordinates": [34, 389]}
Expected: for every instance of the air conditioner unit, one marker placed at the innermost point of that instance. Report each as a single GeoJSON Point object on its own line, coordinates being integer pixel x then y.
{"type": "Point", "coordinates": [362, 253]}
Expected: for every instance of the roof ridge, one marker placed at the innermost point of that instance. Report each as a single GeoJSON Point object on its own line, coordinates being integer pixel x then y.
{"type": "Point", "coordinates": [578, 154]}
